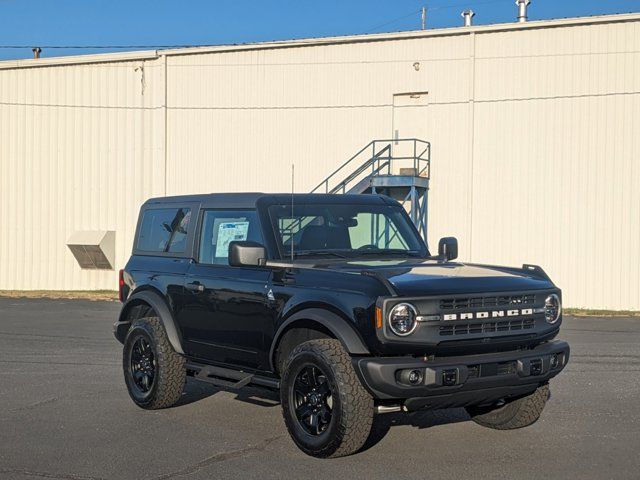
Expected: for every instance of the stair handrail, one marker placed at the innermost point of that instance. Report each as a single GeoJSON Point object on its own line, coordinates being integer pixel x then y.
{"type": "Point", "coordinates": [421, 163]}
{"type": "Point", "coordinates": [375, 170]}
{"type": "Point", "coordinates": [325, 182]}
{"type": "Point", "coordinates": [371, 162]}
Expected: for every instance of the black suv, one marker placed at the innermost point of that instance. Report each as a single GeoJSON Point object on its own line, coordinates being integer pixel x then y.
{"type": "Point", "coordinates": [335, 301]}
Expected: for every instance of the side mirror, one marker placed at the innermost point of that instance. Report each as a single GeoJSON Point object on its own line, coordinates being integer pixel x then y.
{"type": "Point", "coordinates": [448, 248]}
{"type": "Point", "coordinates": [247, 254]}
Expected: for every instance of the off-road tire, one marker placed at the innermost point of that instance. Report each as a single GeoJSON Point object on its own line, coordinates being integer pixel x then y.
{"type": "Point", "coordinates": [518, 413]}
{"type": "Point", "coordinates": [170, 372]}
{"type": "Point", "coordinates": [353, 408]}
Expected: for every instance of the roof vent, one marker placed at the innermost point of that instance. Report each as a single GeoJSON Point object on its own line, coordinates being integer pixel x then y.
{"type": "Point", "coordinates": [94, 250]}
{"type": "Point", "coordinates": [468, 17]}
{"type": "Point", "coordinates": [522, 10]}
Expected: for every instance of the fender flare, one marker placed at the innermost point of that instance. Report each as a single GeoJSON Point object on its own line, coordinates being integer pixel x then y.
{"type": "Point", "coordinates": [159, 305]}
{"type": "Point", "coordinates": [338, 326]}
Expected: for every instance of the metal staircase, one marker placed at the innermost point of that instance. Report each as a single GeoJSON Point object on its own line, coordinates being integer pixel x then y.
{"type": "Point", "coordinates": [398, 168]}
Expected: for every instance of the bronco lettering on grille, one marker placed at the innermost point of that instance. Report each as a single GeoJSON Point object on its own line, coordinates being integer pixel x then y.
{"type": "Point", "coordinates": [488, 314]}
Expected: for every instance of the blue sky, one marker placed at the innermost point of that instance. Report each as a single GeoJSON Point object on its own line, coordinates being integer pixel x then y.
{"type": "Point", "coordinates": [171, 22]}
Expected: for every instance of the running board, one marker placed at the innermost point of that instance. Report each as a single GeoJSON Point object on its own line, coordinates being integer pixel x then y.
{"type": "Point", "coordinates": [229, 378]}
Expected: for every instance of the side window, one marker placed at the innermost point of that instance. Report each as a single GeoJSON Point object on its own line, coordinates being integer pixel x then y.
{"type": "Point", "coordinates": [220, 228]}
{"type": "Point", "coordinates": [164, 230]}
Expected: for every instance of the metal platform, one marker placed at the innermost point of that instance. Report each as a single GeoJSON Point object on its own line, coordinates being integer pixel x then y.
{"type": "Point", "coordinates": [398, 168]}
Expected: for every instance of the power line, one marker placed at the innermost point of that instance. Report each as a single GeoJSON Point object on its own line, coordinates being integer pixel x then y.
{"type": "Point", "coordinates": [99, 47]}
{"type": "Point", "coordinates": [415, 12]}
{"type": "Point", "coordinates": [467, 4]}
{"type": "Point", "coordinates": [470, 3]}
{"type": "Point", "coordinates": [432, 9]}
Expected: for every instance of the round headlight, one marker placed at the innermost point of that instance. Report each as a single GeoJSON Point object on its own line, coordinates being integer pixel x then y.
{"type": "Point", "coordinates": [552, 308]}
{"type": "Point", "coordinates": [402, 319]}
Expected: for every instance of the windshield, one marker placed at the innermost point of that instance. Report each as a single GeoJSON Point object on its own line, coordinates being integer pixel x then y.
{"type": "Point", "coordinates": [345, 231]}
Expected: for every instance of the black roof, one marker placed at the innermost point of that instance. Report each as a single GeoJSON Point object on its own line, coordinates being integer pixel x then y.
{"type": "Point", "coordinates": [249, 199]}
{"type": "Point", "coordinates": [230, 200]}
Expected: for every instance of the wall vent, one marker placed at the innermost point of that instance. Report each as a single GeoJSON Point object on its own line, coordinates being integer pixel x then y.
{"type": "Point", "coordinates": [94, 250]}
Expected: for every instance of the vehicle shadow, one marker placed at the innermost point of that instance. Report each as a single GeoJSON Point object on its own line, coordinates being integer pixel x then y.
{"type": "Point", "coordinates": [195, 390]}
{"type": "Point", "coordinates": [421, 419]}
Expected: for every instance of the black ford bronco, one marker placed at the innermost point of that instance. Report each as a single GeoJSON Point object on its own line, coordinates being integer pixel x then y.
{"type": "Point", "coordinates": [335, 301]}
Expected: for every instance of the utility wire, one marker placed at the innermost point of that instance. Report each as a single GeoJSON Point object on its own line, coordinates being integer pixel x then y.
{"type": "Point", "coordinates": [98, 47]}
{"type": "Point", "coordinates": [392, 21]}
{"type": "Point", "coordinates": [466, 4]}
{"type": "Point", "coordinates": [432, 9]}
{"type": "Point", "coordinates": [470, 3]}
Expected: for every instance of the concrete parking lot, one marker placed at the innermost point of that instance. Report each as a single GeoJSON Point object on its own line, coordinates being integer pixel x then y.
{"type": "Point", "coordinates": [65, 413]}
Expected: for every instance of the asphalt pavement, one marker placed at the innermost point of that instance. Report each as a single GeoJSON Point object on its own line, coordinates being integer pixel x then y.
{"type": "Point", "coordinates": [65, 414]}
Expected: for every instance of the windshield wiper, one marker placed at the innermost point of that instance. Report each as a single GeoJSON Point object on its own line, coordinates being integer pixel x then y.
{"type": "Point", "coordinates": [315, 253]}
{"type": "Point", "coordinates": [393, 251]}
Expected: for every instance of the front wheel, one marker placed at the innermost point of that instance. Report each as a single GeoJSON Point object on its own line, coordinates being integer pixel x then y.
{"type": "Point", "coordinates": [518, 413]}
{"type": "Point", "coordinates": [327, 411]}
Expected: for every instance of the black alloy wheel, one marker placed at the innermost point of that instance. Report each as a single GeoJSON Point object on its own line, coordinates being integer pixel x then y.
{"type": "Point", "coordinates": [312, 399]}
{"type": "Point", "coordinates": [326, 409]}
{"type": "Point", "coordinates": [142, 365]}
{"type": "Point", "coordinates": [153, 372]}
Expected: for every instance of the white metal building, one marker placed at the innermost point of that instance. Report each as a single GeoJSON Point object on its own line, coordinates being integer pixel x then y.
{"type": "Point", "coordinates": [535, 132]}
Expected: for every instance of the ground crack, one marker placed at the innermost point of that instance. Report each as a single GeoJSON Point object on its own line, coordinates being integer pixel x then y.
{"type": "Point", "coordinates": [34, 405]}
{"type": "Point", "coordinates": [219, 457]}
{"type": "Point", "coordinates": [59, 476]}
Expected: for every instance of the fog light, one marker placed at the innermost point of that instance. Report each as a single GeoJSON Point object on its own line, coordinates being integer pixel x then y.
{"type": "Point", "coordinates": [415, 377]}
{"type": "Point", "coordinates": [554, 361]}
{"type": "Point", "coordinates": [410, 377]}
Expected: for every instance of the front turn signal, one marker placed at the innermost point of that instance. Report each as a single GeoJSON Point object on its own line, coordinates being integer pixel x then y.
{"type": "Point", "coordinates": [378, 317]}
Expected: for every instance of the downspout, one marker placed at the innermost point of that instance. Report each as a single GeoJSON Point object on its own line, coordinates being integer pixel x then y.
{"type": "Point", "coordinates": [472, 127]}
{"type": "Point", "coordinates": [166, 126]}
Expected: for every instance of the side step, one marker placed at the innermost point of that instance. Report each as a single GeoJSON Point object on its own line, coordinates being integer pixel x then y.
{"type": "Point", "coordinates": [229, 378]}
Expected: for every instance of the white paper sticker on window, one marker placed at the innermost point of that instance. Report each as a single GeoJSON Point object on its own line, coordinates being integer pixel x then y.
{"type": "Point", "coordinates": [227, 233]}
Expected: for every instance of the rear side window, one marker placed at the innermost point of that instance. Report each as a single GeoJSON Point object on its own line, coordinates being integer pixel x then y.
{"type": "Point", "coordinates": [219, 228]}
{"type": "Point", "coordinates": [164, 230]}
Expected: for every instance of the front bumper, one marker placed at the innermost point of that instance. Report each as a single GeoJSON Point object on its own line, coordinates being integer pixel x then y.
{"type": "Point", "coordinates": [462, 380]}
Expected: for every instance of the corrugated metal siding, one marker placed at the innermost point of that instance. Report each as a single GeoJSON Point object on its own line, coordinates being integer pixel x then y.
{"type": "Point", "coordinates": [533, 131]}
{"type": "Point", "coordinates": [79, 150]}
{"type": "Point", "coordinates": [556, 170]}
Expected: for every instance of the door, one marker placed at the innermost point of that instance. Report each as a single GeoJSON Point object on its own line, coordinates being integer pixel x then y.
{"type": "Point", "coordinates": [409, 121]}
{"type": "Point", "coordinates": [226, 314]}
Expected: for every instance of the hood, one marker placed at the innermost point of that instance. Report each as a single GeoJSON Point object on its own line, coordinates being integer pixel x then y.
{"type": "Point", "coordinates": [429, 277]}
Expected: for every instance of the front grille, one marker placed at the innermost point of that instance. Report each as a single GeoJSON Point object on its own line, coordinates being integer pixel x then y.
{"type": "Point", "coordinates": [491, 369]}
{"type": "Point", "coordinates": [491, 301]}
{"type": "Point", "coordinates": [486, 327]}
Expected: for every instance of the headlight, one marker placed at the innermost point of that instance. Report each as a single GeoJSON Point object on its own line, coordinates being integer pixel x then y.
{"type": "Point", "coordinates": [552, 308]}
{"type": "Point", "coordinates": [402, 319]}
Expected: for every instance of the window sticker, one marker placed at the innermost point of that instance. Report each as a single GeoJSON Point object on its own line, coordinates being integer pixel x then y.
{"type": "Point", "coordinates": [227, 233]}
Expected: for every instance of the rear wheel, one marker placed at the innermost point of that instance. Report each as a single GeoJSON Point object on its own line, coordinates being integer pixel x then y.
{"type": "Point", "coordinates": [327, 411]}
{"type": "Point", "coordinates": [154, 373]}
{"type": "Point", "coordinates": [518, 413]}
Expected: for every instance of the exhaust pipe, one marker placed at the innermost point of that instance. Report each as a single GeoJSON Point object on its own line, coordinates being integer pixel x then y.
{"type": "Point", "coordinates": [468, 17]}
{"type": "Point", "coordinates": [388, 409]}
{"type": "Point", "coordinates": [522, 10]}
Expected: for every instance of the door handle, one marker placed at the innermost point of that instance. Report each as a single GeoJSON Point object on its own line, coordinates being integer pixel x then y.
{"type": "Point", "coordinates": [196, 287]}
